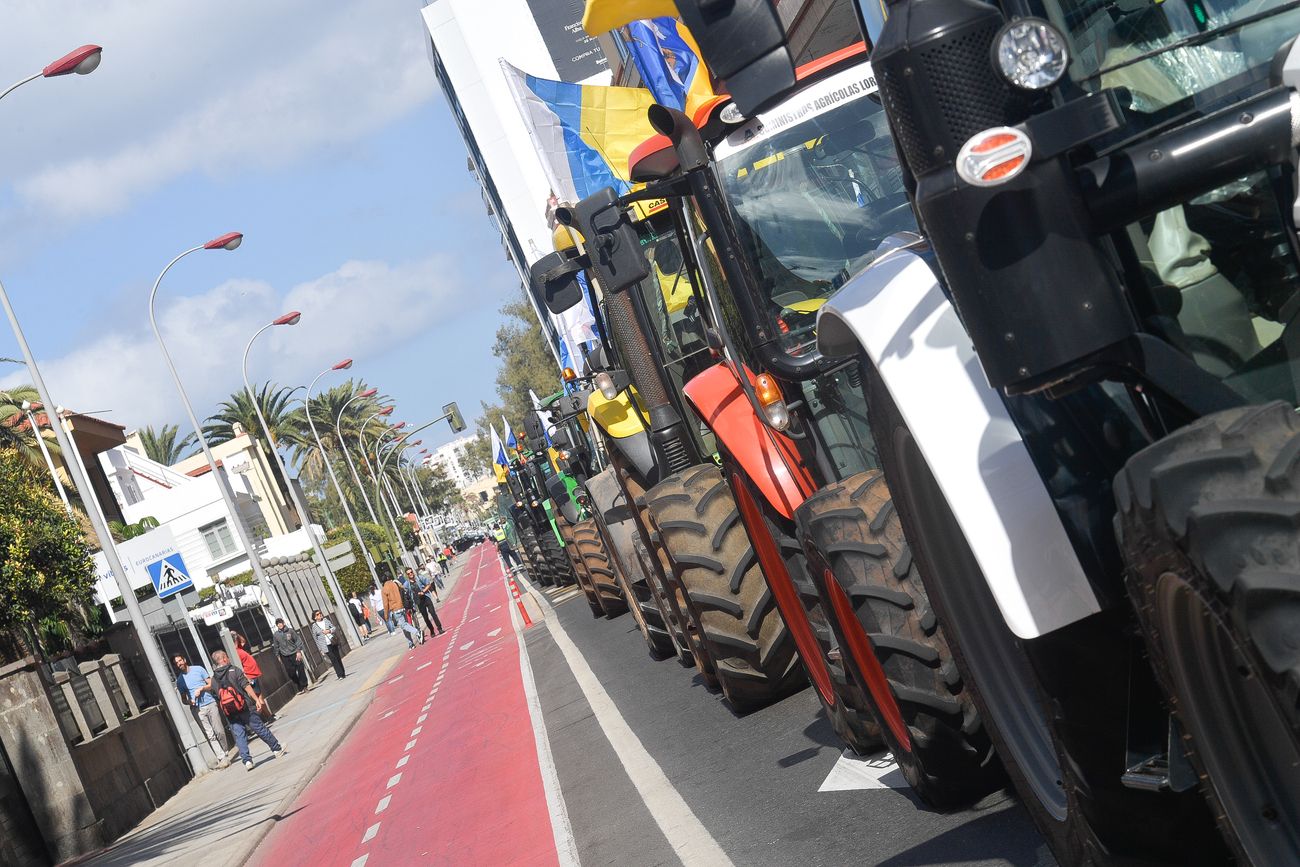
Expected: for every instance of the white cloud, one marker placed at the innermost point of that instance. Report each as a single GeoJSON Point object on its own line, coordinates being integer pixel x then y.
{"type": "Point", "coordinates": [363, 309]}
{"type": "Point", "coordinates": [206, 88]}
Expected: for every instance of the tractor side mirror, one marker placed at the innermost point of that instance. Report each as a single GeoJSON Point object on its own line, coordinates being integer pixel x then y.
{"type": "Point", "coordinates": [743, 42]}
{"type": "Point", "coordinates": [613, 247]}
{"type": "Point", "coordinates": [555, 280]}
{"type": "Point", "coordinates": [535, 433]}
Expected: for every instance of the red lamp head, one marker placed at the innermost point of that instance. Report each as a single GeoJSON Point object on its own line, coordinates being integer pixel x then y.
{"type": "Point", "coordinates": [398, 426]}
{"type": "Point", "coordinates": [417, 442]}
{"type": "Point", "coordinates": [388, 410]}
{"type": "Point", "coordinates": [342, 365]}
{"type": "Point", "coordinates": [290, 318]}
{"type": "Point", "coordinates": [369, 392]}
{"type": "Point", "coordinates": [228, 241]}
{"type": "Point", "coordinates": [82, 61]}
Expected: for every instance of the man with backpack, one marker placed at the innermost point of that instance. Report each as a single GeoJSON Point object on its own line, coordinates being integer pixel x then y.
{"type": "Point", "coordinates": [242, 707]}
{"type": "Point", "coordinates": [424, 590]}
{"type": "Point", "coordinates": [195, 685]}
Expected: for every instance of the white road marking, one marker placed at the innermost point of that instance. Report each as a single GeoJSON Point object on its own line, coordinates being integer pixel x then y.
{"type": "Point", "coordinates": [396, 679]}
{"type": "Point", "coordinates": [401, 763]}
{"type": "Point", "coordinates": [387, 715]}
{"type": "Point", "coordinates": [370, 833]}
{"type": "Point", "coordinates": [681, 827]}
{"type": "Point", "coordinates": [422, 718]}
{"type": "Point", "coordinates": [383, 804]}
{"type": "Point", "coordinates": [472, 619]}
{"type": "Point", "coordinates": [467, 646]}
{"type": "Point", "coordinates": [361, 862]}
{"type": "Point", "coordinates": [873, 772]}
{"type": "Point", "coordinates": [394, 780]}
{"type": "Point", "coordinates": [415, 731]}
{"type": "Point", "coordinates": [408, 746]}
{"type": "Point", "coordinates": [495, 608]}
{"type": "Point", "coordinates": [495, 632]}
{"type": "Point", "coordinates": [423, 667]}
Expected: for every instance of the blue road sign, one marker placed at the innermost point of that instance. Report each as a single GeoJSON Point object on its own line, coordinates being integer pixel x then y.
{"type": "Point", "coordinates": [169, 576]}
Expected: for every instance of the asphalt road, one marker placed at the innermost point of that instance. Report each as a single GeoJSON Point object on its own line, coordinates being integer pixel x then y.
{"type": "Point", "coordinates": [752, 781]}
{"type": "Point", "coordinates": [564, 743]}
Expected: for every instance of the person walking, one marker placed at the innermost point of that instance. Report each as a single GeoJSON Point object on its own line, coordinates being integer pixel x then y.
{"type": "Point", "coordinates": [408, 597]}
{"type": "Point", "coordinates": [327, 641]}
{"type": "Point", "coordinates": [242, 707]}
{"type": "Point", "coordinates": [196, 685]}
{"type": "Point", "coordinates": [251, 669]}
{"type": "Point", "coordinates": [442, 561]}
{"type": "Point", "coordinates": [377, 606]}
{"type": "Point", "coordinates": [435, 579]}
{"type": "Point", "coordinates": [503, 547]}
{"type": "Point", "coordinates": [424, 598]}
{"type": "Point", "coordinates": [288, 646]}
{"type": "Point", "coordinates": [359, 615]}
{"type": "Point", "coordinates": [395, 612]}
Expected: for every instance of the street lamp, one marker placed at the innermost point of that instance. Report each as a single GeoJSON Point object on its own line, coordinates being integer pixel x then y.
{"type": "Point", "coordinates": [82, 61]}
{"type": "Point", "coordinates": [344, 615]}
{"type": "Point", "coordinates": [29, 408]}
{"type": "Point", "coordinates": [338, 431]}
{"type": "Point", "coordinates": [228, 241]}
{"type": "Point", "coordinates": [391, 507]}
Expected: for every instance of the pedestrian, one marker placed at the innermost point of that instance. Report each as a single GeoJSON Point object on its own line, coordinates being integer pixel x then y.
{"type": "Point", "coordinates": [434, 580]}
{"type": "Point", "coordinates": [377, 606]}
{"type": "Point", "coordinates": [243, 708]}
{"type": "Point", "coordinates": [408, 598]}
{"type": "Point", "coordinates": [327, 641]}
{"type": "Point", "coordinates": [252, 670]}
{"type": "Point", "coordinates": [503, 547]}
{"type": "Point", "coordinates": [394, 612]}
{"type": "Point", "coordinates": [289, 647]}
{"type": "Point", "coordinates": [424, 588]}
{"type": "Point", "coordinates": [359, 615]}
{"type": "Point", "coordinates": [442, 561]}
{"type": "Point", "coordinates": [196, 685]}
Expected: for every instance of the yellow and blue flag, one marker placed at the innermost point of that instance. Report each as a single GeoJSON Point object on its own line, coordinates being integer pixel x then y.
{"type": "Point", "coordinates": [584, 133]}
{"type": "Point", "coordinates": [668, 60]}
{"type": "Point", "coordinates": [499, 463]}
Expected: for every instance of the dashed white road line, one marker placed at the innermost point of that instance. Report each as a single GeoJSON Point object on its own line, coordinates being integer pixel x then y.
{"type": "Point", "coordinates": [361, 862]}
{"type": "Point", "coordinates": [395, 778]}
{"type": "Point", "coordinates": [370, 833]}
{"type": "Point", "coordinates": [409, 746]}
{"type": "Point", "coordinates": [415, 731]}
{"type": "Point", "coordinates": [383, 804]}
{"type": "Point", "coordinates": [401, 763]}
{"type": "Point", "coordinates": [423, 667]}
{"type": "Point", "coordinates": [422, 718]}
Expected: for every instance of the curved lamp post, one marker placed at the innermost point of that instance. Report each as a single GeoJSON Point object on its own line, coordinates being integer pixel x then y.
{"type": "Point", "coordinates": [338, 431]}
{"type": "Point", "coordinates": [82, 61]}
{"type": "Point", "coordinates": [340, 601]}
{"type": "Point", "coordinates": [389, 502]}
{"type": "Point", "coordinates": [228, 241]}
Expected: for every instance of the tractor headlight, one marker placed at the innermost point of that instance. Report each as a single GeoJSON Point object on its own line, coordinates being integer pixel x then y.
{"type": "Point", "coordinates": [605, 383]}
{"type": "Point", "coordinates": [1030, 53]}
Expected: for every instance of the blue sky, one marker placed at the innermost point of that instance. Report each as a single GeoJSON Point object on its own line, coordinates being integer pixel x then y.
{"type": "Point", "coordinates": [318, 130]}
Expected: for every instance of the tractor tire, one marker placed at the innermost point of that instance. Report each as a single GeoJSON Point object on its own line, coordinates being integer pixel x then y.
{"type": "Point", "coordinates": [528, 553]}
{"type": "Point", "coordinates": [714, 562]}
{"type": "Point", "coordinates": [620, 537]}
{"type": "Point", "coordinates": [600, 567]}
{"type": "Point", "coordinates": [1209, 525]}
{"type": "Point", "coordinates": [852, 526]}
{"type": "Point", "coordinates": [584, 580]}
{"type": "Point", "coordinates": [658, 598]}
{"type": "Point", "coordinates": [674, 593]}
{"type": "Point", "coordinates": [557, 561]}
{"type": "Point", "coordinates": [1054, 707]}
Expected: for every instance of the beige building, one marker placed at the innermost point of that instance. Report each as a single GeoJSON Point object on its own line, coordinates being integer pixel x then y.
{"type": "Point", "coordinates": [242, 458]}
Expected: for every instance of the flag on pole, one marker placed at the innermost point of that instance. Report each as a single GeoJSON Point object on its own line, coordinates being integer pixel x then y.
{"type": "Point", "coordinates": [666, 56]}
{"type": "Point", "coordinates": [511, 442]}
{"type": "Point", "coordinates": [537, 408]}
{"type": "Point", "coordinates": [499, 462]}
{"type": "Point", "coordinates": [583, 133]}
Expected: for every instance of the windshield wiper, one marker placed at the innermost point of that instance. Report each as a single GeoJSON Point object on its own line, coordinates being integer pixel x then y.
{"type": "Point", "coordinates": [1199, 38]}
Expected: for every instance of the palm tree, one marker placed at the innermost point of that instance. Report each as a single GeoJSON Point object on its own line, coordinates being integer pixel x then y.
{"type": "Point", "coordinates": [238, 408]}
{"type": "Point", "coordinates": [325, 409]}
{"type": "Point", "coordinates": [16, 429]}
{"type": "Point", "coordinates": [162, 446]}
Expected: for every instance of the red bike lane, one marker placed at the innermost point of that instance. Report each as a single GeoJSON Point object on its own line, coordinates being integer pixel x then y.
{"type": "Point", "coordinates": [442, 768]}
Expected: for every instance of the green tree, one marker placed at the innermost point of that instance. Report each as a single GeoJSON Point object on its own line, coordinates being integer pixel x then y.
{"type": "Point", "coordinates": [356, 578]}
{"type": "Point", "coordinates": [45, 567]}
{"type": "Point", "coordinates": [123, 531]}
{"type": "Point", "coordinates": [163, 446]}
{"type": "Point", "coordinates": [16, 429]}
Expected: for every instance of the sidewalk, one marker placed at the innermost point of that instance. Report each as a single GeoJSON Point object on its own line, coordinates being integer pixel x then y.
{"type": "Point", "coordinates": [219, 818]}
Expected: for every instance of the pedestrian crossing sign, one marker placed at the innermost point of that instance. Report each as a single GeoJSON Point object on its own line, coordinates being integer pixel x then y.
{"type": "Point", "coordinates": [169, 575]}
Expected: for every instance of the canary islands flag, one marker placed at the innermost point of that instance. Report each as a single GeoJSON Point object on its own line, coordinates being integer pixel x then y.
{"type": "Point", "coordinates": [499, 462]}
{"type": "Point", "coordinates": [668, 60]}
{"type": "Point", "coordinates": [583, 133]}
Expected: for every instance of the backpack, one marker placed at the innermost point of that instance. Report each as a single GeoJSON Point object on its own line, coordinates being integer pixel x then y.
{"type": "Point", "coordinates": [408, 601]}
{"type": "Point", "coordinates": [231, 700]}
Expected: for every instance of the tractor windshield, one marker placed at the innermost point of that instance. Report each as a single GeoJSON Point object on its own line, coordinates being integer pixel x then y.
{"type": "Point", "coordinates": [814, 186]}
{"type": "Point", "coordinates": [1173, 55]}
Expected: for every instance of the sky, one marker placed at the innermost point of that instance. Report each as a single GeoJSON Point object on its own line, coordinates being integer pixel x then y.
{"type": "Point", "coordinates": [316, 129]}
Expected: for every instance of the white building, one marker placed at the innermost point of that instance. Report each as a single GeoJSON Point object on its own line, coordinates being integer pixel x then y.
{"type": "Point", "coordinates": [451, 457]}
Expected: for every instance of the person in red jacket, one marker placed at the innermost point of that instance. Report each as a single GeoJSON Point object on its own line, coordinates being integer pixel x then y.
{"type": "Point", "coordinates": [252, 670]}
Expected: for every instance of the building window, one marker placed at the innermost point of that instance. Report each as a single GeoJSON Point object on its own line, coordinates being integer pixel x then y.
{"type": "Point", "coordinates": [217, 536]}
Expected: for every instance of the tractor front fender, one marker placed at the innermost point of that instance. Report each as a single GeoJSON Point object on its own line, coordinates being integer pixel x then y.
{"type": "Point", "coordinates": [769, 458]}
{"type": "Point", "coordinates": [895, 316]}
